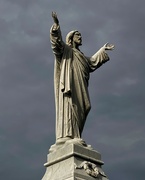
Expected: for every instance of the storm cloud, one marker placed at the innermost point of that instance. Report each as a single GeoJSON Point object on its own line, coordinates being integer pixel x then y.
{"type": "Point", "coordinates": [116, 124]}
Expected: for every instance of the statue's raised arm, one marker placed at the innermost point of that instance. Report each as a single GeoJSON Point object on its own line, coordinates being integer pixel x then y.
{"type": "Point", "coordinates": [57, 43]}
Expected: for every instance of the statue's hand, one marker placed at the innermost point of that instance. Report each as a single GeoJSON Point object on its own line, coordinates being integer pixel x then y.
{"type": "Point", "coordinates": [55, 19]}
{"type": "Point", "coordinates": [108, 46]}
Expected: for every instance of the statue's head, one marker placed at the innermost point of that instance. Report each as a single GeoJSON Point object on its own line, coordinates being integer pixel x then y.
{"type": "Point", "coordinates": [74, 37]}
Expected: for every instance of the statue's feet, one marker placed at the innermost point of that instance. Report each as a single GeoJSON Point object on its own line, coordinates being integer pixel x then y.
{"type": "Point", "coordinates": [79, 142]}
{"type": "Point", "coordinates": [62, 140]}
{"type": "Point", "coordinates": [68, 140]}
{"type": "Point", "coordinates": [59, 143]}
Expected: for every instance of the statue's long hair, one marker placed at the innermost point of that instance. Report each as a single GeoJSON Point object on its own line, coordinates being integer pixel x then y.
{"type": "Point", "coordinates": [69, 37]}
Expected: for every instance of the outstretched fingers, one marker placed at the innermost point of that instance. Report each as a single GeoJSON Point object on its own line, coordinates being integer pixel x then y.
{"type": "Point", "coordinates": [108, 46]}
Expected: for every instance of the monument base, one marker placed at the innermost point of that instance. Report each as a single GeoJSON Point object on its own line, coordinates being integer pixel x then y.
{"type": "Point", "coordinates": [74, 162]}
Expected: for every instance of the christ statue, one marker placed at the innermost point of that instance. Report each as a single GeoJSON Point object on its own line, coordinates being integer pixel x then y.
{"type": "Point", "coordinates": [71, 75]}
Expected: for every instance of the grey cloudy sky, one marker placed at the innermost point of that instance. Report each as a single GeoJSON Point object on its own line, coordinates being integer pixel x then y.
{"type": "Point", "coordinates": [116, 124]}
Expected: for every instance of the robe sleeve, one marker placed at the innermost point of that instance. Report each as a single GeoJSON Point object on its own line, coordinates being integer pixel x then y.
{"type": "Point", "coordinates": [99, 58]}
{"type": "Point", "coordinates": [57, 43]}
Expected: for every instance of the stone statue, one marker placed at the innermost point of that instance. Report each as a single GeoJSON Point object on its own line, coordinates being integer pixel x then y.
{"type": "Point", "coordinates": [71, 76]}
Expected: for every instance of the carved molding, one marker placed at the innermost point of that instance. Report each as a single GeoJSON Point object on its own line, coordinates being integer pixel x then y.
{"type": "Point", "coordinates": [91, 169]}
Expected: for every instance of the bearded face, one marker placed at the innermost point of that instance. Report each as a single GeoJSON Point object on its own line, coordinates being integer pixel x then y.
{"type": "Point", "coordinates": [77, 38]}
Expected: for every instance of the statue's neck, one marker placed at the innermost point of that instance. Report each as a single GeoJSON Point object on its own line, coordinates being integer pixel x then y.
{"type": "Point", "coordinates": [75, 46]}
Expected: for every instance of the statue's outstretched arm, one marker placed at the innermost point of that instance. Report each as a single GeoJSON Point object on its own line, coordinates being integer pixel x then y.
{"type": "Point", "coordinates": [106, 46]}
{"type": "Point", "coordinates": [100, 57]}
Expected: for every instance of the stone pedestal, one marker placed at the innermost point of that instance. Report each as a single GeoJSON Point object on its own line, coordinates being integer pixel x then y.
{"type": "Point", "coordinates": [74, 162]}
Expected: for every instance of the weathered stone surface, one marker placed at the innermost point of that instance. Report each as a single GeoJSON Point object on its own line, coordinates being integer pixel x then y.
{"type": "Point", "coordinates": [71, 78]}
{"type": "Point", "coordinates": [61, 164]}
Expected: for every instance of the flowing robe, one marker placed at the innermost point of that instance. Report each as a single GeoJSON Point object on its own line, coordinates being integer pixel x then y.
{"type": "Point", "coordinates": [71, 75]}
